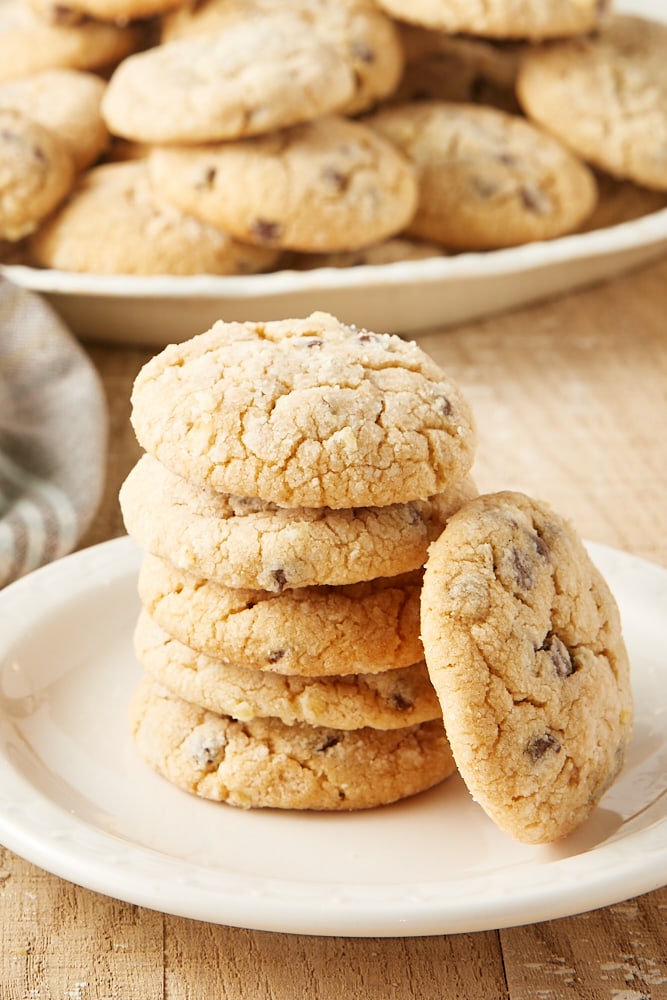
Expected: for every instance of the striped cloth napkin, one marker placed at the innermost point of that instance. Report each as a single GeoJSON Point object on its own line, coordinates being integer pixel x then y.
{"type": "Point", "coordinates": [53, 432]}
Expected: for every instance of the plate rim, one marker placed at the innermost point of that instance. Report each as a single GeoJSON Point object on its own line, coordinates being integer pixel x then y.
{"type": "Point", "coordinates": [93, 858]}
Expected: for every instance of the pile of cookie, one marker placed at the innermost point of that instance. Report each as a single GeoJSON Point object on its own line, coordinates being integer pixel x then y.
{"type": "Point", "coordinates": [241, 136]}
{"type": "Point", "coordinates": [298, 476]}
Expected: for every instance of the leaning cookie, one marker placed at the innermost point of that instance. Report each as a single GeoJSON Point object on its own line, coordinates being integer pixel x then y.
{"type": "Point", "coordinates": [244, 542]}
{"type": "Point", "coordinates": [367, 38]}
{"type": "Point", "coordinates": [312, 631]}
{"type": "Point", "coordinates": [264, 763]}
{"type": "Point", "coordinates": [258, 75]}
{"type": "Point", "coordinates": [64, 101]}
{"type": "Point", "coordinates": [605, 96]}
{"type": "Point", "coordinates": [30, 44]}
{"type": "Point", "coordinates": [305, 413]}
{"type": "Point", "coordinates": [36, 173]}
{"type": "Point", "coordinates": [390, 699]}
{"type": "Point", "coordinates": [443, 67]}
{"type": "Point", "coordinates": [114, 223]}
{"type": "Point", "coordinates": [487, 179]}
{"type": "Point", "coordinates": [523, 643]}
{"type": "Point", "coordinates": [530, 19]}
{"type": "Point", "coordinates": [326, 185]}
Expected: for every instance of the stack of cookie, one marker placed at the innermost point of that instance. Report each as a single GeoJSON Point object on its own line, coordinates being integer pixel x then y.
{"type": "Point", "coordinates": [295, 474]}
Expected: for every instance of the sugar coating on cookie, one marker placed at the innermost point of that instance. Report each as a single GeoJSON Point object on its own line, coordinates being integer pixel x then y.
{"type": "Point", "coordinates": [523, 644]}
{"type": "Point", "coordinates": [390, 699]}
{"type": "Point", "coordinates": [306, 412]}
{"type": "Point", "coordinates": [312, 631]}
{"type": "Point", "coordinates": [330, 184]}
{"type": "Point", "coordinates": [605, 95]}
{"type": "Point", "coordinates": [258, 75]}
{"type": "Point", "coordinates": [136, 232]}
{"type": "Point", "coordinates": [245, 542]}
{"type": "Point", "coordinates": [531, 19]}
{"type": "Point", "coordinates": [487, 179]}
{"type": "Point", "coordinates": [36, 173]}
{"type": "Point", "coordinates": [367, 38]}
{"type": "Point", "coordinates": [264, 763]}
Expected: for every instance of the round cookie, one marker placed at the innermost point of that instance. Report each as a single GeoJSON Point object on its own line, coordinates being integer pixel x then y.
{"type": "Point", "coordinates": [367, 38]}
{"type": "Point", "coordinates": [305, 413]}
{"type": "Point", "coordinates": [330, 184]}
{"type": "Point", "coordinates": [523, 643]}
{"type": "Point", "coordinates": [249, 543]}
{"type": "Point", "coordinates": [264, 763]}
{"type": "Point", "coordinates": [362, 628]}
{"type": "Point", "coordinates": [388, 700]}
{"type": "Point", "coordinates": [113, 223]}
{"type": "Point", "coordinates": [66, 102]}
{"type": "Point", "coordinates": [29, 44]}
{"type": "Point", "coordinates": [487, 179]}
{"type": "Point", "coordinates": [532, 19]}
{"type": "Point", "coordinates": [444, 67]}
{"type": "Point", "coordinates": [256, 76]}
{"type": "Point", "coordinates": [36, 173]}
{"type": "Point", "coordinates": [605, 96]}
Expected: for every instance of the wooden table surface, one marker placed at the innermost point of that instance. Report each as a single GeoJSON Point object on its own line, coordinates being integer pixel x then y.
{"type": "Point", "coordinates": [571, 403]}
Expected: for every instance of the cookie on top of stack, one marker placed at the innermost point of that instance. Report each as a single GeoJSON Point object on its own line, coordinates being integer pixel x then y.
{"type": "Point", "coordinates": [295, 474]}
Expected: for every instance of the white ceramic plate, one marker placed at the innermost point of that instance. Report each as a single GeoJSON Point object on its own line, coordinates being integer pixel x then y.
{"type": "Point", "coordinates": [401, 297]}
{"type": "Point", "coordinates": [76, 799]}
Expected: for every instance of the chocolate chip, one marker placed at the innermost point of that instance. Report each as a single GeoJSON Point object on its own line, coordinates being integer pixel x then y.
{"type": "Point", "coordinates": [266, 231]}
{"type": "Point", "coordinates": [275, 655]}
{"type": "Point", "coordinates": [335, 178]}
{"type": "Point", "coordinates": [400, 703]}
{"type": "Point", "coordinates": [362, 52]}
{"type": "Point", "coordinates": [546, 743]}
{"type": "Point", "coordinates": [522, 568]}
{"type": "Point", "coordinates": [207, 178]}
{"type": "Point", "coordinates": [534, 200]}
{"type": "Point", "coordinates": [444, 406]}
{"type": "Point", "coordinates": [542, 547]}
{"type": "Point", "coordinates": [314, 342]}
{"type": "Point", "coordinates": [280, 578]}
{"type": "Point", "coordinates": [367, 338]}
{"type": "Point", "coordinates": [559, 655]}
{"type": "Point", "coordinates": [331, 741]}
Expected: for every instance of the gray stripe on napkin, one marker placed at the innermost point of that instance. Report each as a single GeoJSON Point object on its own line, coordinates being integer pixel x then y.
{"type": "Point", "coordinates": [53, 427]}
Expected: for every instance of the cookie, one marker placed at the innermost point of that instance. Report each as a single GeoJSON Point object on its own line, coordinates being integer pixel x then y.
{"type": "Point", "coordinates": [442, 67]}
{"type": "Point", "coordinates": [249, 543]}
{"type": "Point", "coordinates": [487, 179]}
{"type": "Point", "coordinates": [388, 700]}
{"type": "Point", "coordinates": [258, 75]}
{"type": "Point", "coordinates": [112, 11]}
{"type": "Point", "coordinates": [359, 628]}
{"type": "Point", "coordinates": [36, 173]}
{"type": "Point", "coordinates": [67, 102]}
{"type": "Point", "coordinates": [531, 19]}
{"type": "Point", "coordinates": [305, 413]}
{"type": "Point", "coordinates": [29, 43]}
{"type": "Point", "coordinates": [264, 763]}
{"type": "Point", "coordinates": [368, 39]}
{"type": "Point", "coordinates": [524, 647]}
{"type": "Point", "coordinates": [113, 223]}
{"type": "Point", "coordinates": [330, 184]}
{"type": "Point", "coordinates": [605, 96]}
{"type": "Point", "coordinates": [390, 251]}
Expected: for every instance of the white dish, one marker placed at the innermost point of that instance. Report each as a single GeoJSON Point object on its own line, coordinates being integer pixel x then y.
{"type": "Point", "coordinates": [401, 297]}
{"type": "Point", "coordinates": [76, 799]}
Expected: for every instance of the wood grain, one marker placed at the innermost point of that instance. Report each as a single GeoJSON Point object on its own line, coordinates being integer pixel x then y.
{"type": "Point", "coordinates": [571, 405]}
